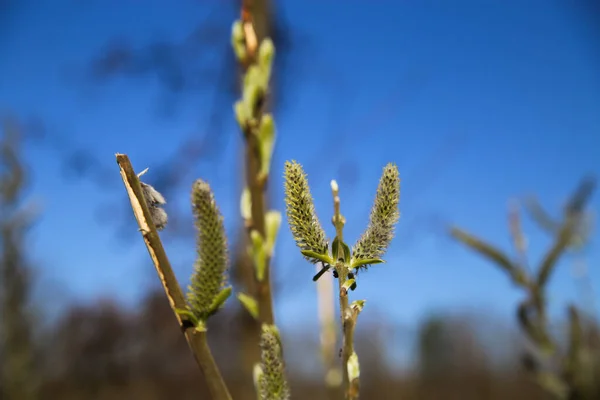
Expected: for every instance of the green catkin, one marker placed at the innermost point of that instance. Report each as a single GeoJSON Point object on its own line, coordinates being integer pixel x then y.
{"type": "Point", "coordinates": [385, 213]}
{"type": "Point", "coordinates": [209, 275]}
{"type": "Point", "coordinates": [304, 223]}
{"type": "Point", "coordinates": [272, 382]}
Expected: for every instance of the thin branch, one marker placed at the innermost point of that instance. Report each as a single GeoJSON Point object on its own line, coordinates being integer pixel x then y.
{"type": "Point", "coordinates": [197, 341]}
{"type": "Point", "coordinates": [347, 314]}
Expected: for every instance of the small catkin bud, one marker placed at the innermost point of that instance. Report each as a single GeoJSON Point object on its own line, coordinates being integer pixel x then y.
{"type": "Point", "coordinates": [272, 382]}
{"type": "Point", "coordinates": [209, 276]}
{"type": "Point", "coordinates": [300, 209]}
{"type": "Point", "coordinates": [384, 215]}
{"type": "Point", "coordinates": [155, 201]}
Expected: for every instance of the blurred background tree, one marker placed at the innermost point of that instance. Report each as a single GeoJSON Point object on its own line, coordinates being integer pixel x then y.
{"type": "Point", "coordinates": [19, 377]}
{"type": "Point", "coordinates": [104, 347]}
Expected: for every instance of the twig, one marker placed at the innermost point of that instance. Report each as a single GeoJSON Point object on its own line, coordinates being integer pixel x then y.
{"type": "Point", "coordinates": [517, 235]}
{"type": "Point", "coordinates": [257, 196]}
{"type": "Point", "coordinates": [348, 315]}
{"type": "Point", "coordinates": [197, 341]}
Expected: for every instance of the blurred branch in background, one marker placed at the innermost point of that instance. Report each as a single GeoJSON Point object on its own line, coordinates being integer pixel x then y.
{"type": "Point", "coordinates": [573, 209]}
{"type": "Point", "coordinates": [327, 338]}
{"type": "Point", "coordinates": [19, 378]}
{"type": "Point", "coordinates": [256, 23]}
{"type": "Point", "coordinates": [570, 373]}
{"type": "Point", "coordinates": [188, 66]}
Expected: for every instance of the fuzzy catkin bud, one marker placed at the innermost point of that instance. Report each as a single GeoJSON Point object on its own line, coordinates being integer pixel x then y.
{"type": "Point", "coordinates": [272, 382]}
{"type": "Point", "coordinates": [209, 270]}
{"type": "Point", "coordinates": [384, 215]}
{"type": "Point", "coordinates": [300, 209]}
{"type": "Point", "coordinates": [155, 201]}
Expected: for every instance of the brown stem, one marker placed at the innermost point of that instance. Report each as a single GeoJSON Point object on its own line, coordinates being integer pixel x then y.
{"type": "Point", "coordinates": [196, 340]}
{"type": "Point", "coordinates": [257, 196]}
{"type": "Point", "coordinates": [255, 182]}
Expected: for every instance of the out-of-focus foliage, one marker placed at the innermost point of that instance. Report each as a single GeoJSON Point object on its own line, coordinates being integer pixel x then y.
{"type": "Point", "coordinates": [101, 351]}
{"type": "Point", "coordinates": [18, 377]}
{"type": "Point", "coordinates": [570, 371]}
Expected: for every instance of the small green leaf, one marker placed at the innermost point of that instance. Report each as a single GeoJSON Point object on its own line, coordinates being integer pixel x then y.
{"type": "Point", "coordinates": [237, 32]}
{"type": "Point", "coordinates": [348, 284]}
{"type": "Point", "coordinates": [335, 248]}
{"type": "Point", "coordinates": [266, 53]}
{"type": "Point", "coordinates": [249, 303]}
{"type": "Point", "coordinates": [252, 75]}
{"type": "Point", "coordinates": [246, 204]}
{"type": "Point", "coordinates": [266, 137]}
{"type": "Point", "coordinates": [186, 314]}
{"type": "Point", "coordinates": [346, 250]}
{"type": "Point", "coordinates": [258, 254]}
{"type": "Point", "coordinates": [272, 224]}
{"type": "Point", "coordinates": [241, 116]}
{"type": "Point", "coordinates": [240, 51]}
{"type": "Point", "coordinates": [321, 257]}
{"type": "Point", "coordinates": [238, 40]}
{"type": "Point", "coordinates": [251, 96]}
{"type": "Point", "coordinates": [220, 300]}
{"type": "Point", "coordinates": [359, 263]}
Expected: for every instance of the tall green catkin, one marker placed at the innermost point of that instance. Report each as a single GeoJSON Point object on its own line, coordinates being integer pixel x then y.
{"type": "Point", "coordinates": [304, 223]}
{"type": "Point", "coordinates": [209, 275]}
{"type": "Point", "coordinates": [385, 213]}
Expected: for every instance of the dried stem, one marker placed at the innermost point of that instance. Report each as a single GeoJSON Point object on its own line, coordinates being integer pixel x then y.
{"type": "Point", "coordinates": [197, 341]}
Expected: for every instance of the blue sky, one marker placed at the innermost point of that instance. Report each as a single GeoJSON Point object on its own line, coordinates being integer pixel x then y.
{"type": "Point", "coordinates": [476, 101]}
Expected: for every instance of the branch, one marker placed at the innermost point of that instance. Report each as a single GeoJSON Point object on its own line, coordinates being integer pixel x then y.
{"type": "Point", "coordinates": [255, 56]}
{"type": "Point", "coordinates": [197, 340]}
{"type": "Point", "coordinates": [348, 314]}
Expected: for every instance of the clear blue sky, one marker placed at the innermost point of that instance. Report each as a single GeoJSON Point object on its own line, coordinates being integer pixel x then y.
{"type": "Point", "coordinates": [476, 101]}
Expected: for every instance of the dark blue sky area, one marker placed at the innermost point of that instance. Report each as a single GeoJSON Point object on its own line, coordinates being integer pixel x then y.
{"type": "Point", "coordinates": [476, 101]}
